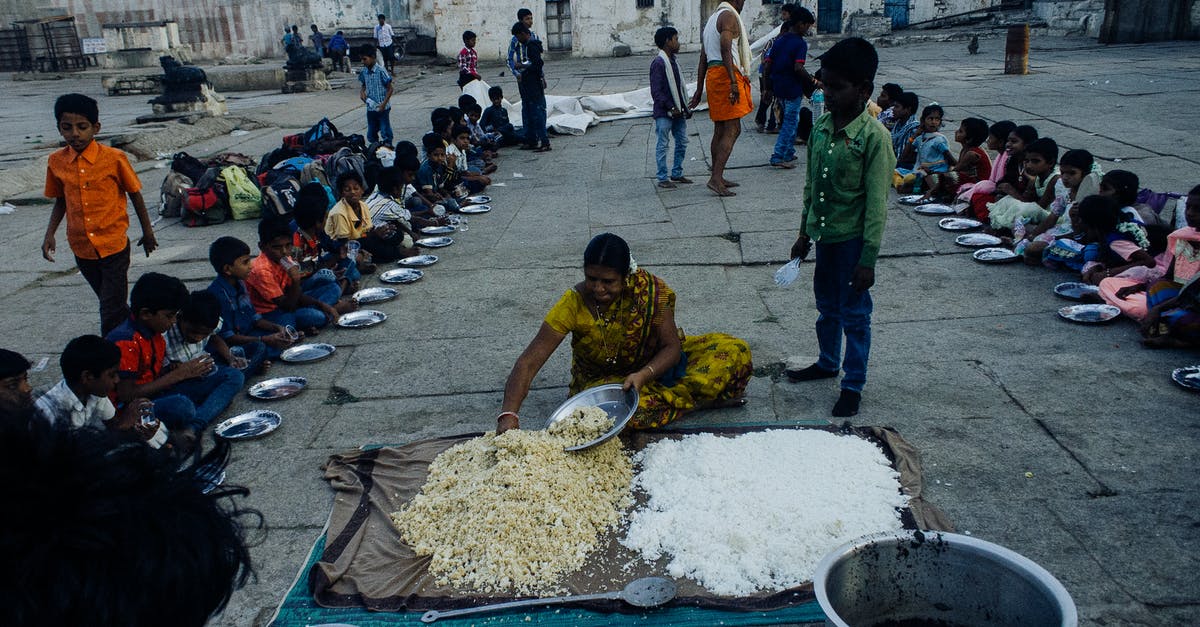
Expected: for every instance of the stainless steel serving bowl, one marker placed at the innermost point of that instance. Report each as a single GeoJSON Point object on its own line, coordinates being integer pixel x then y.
{"type": "Point", "coordinates": [942, 578]}
{"type": "Point", "coordinates": [619, 404]}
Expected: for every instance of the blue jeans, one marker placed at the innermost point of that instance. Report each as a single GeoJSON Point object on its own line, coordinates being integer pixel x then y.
{"type": "Point", "coordinates": [255, 353]}
{"type": "Point", "coordinates": [666, 127]}
{"type": "Point", "coordinates": [195, 403]}
{"type": "Point", "coordinates": [785, 144]}
{"type": "Point", "coordinates": [379, 122]}
{"type": "Point", "coordinates": [842, 310]}
{"type": "Point", "coordinates": [322, 286]}
{"type": "Point", "coordinates": [533, 116]}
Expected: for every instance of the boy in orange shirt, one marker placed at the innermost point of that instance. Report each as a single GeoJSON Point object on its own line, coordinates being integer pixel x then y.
{"type": "Point", "coordinates": [89, 183]}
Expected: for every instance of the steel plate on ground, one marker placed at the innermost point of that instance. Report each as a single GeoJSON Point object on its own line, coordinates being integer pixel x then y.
{"type": "Point", "coordinates": [1073, 290]}
{"type": "Point", "coordinates": [977, 240]}
{"type": "Point", "coordinates": [995, 255]}
{"type": "Point", "coordinates": [401, 275]}
{"type": "Point", "coordinates": [306, 353]}
{"type": "Point", "coordinates": [477, 200]}
{"type": "Point", "coordinates": [1089, 314]}
{"type": "Point", "coordinates": [1187, 378]}
{"type": "Point", "coordinates": [277, 388]}
{"type": "Point", "coordinates": [437, 230]}
{"type": "Point", "coordinates": [361, 319]}
{"type": "Point", "coordinates": [418, 261]}
{"type": "Point", "coordinates": [935, 209]}
{"type": "Point", "coordinates": [959, 224]}
{"type": "Point", "coordinates": [475, 209]}
{"type": "Point", "coordinates": [435, 242]}
{"type": "Point", "coordinates": [375, 295]}
{"type": "Point", "coordinates": [914, 199]}
{"type": "Point", "coordinates": [251, 424]}
{"type": "Point", "coordinates": [619, 404]}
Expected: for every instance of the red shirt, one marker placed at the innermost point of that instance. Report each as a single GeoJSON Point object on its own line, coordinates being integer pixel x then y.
{"type": "Point", "coordinates": [267, 281]}
{"type": "Point", "coordinates": [143, 353]}
{"type": "Point", "coordinates": [94, 184]}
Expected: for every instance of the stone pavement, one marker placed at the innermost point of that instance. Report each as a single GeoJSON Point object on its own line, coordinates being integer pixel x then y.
{"type": "Point", "coordinates": [1066, 443]}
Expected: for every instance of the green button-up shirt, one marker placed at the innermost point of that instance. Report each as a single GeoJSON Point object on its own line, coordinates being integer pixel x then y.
{"type": "Point", "coordinates": [846, 190]}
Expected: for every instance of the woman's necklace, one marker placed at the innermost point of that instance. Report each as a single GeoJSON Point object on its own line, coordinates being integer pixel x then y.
{"type": "Point", "coordinates": [606, 325]}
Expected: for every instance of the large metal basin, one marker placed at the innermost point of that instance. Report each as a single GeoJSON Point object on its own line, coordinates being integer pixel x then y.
{"type": "Point", "coordinates": [620, 405]}
{"type": "Point", "coordinates": [902, 578]}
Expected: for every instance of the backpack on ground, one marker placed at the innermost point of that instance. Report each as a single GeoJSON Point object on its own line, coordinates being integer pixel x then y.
{"type": "Point", "coordinates": [342, 161]}
{"type": "Point", "coordinates": [207, 203]}
{"type": "Point", "coordinates": [272, 158]}
{"type": "Point", "coordinates": [293, 142]}
{"type": "Point", "coordinates": [245, 199]}
{"type": "Point", "coordinates": [321, 130]}
{"type": "Point", "coordinates": [173, 194]}
{"type": "Point", "coordinates": [314, 171]}
{"type": "Point", "coordinates": [188, 165]}
{"type": "Point", "coordinates": [279, 198]}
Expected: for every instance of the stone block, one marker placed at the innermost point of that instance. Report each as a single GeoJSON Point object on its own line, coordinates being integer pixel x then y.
{"type": "Point", "coordinates": [302, 80]}
{"type": "Point", "coordinates": [621, 50]}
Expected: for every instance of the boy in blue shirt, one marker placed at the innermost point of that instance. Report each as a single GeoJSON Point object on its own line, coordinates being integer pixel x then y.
{"type": "Point", "coordinates": [788, 78]}
{"type": "Point", "coordinates": [376, 91]}
{"type": "Point", "coordinates": [240, 324]}
{"type": "Point", "coordinates": [850, 163]}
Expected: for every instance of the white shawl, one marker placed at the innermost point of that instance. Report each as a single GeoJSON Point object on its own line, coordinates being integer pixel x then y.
{"type": "Point", "coordinates": [676, 95]}
{"type": "Point", "coordinates": [745, 58]}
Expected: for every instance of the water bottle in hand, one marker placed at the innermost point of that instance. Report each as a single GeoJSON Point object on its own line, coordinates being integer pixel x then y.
{"type": "Point", "coordinates": [818, 104]}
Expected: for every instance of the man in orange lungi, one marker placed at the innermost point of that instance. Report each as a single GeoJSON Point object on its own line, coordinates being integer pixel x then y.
{"type": "Point", "coordinates": [725, 75]}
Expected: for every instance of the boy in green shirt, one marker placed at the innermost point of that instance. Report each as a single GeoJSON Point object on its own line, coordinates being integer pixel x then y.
{"type": "Point", "coordinates": [850, 163]}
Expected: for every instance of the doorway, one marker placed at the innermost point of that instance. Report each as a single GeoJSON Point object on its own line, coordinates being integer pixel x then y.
{"type": "Point", "coordinates": [829, 16]}
{"type": "Point", "coordinates": [558, 24]}
{"type": "Point", "coordinates": [898, 11]}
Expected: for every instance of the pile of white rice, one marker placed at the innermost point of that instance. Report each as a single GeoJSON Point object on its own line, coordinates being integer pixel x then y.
{"type": "Point", "coordinates": [515, 513]}
{"type": "Point", "coordinates": [758, 511]}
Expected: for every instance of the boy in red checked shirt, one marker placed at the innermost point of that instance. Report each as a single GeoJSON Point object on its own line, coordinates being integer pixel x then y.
{"type": "Point", "coordinates": [468, 60]}
{"type": "Point", "coordinates": [89, 183]}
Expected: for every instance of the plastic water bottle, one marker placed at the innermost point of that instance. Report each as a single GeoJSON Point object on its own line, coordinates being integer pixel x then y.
{"type": "Point", "coordinates": [818, 104]}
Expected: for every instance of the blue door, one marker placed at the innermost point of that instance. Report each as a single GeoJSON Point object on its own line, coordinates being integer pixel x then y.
{"type": "Point", "coordinates": [829, 16]}
{"type": "Point", "coordinates": [898, 11]}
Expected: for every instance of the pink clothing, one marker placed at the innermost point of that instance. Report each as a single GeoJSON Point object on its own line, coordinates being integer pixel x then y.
{"type": "Point", "coordinates": [1133, 306]}
{"type": "Point", "coordinates": [1183, 247]}
{"type": "Point", "coordinates": [965, 192]}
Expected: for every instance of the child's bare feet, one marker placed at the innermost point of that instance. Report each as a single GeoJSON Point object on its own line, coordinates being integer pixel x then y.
{"type": "Point", "coordinates": [264, 367]}
{"type": "Point", "coordinates": [312, 332]}
{"type": "Point", "coordinates": [345, 306]}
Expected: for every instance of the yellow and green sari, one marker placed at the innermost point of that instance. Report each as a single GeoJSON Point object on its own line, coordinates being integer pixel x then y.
{"type": "Point", "coordinates": [714, 366]}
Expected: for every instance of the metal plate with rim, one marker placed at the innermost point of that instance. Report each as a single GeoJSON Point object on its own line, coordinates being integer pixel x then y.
{"type": "Point", "coordinates": [252, 424]}
{"type": "Point", "coordinates": [477, 200]}
{"type": "Point", "coordinates": [935, 209]}
{"type": "Point", "coordinates": [437, 230]}
{"type": "Point", "coordinates": [995, 255]}
{"type": "Point", "coordinates": [277, 388]}
{"type": "Point", "coordinates": [619, 404]}
{"type": "Point", "coordinates": [361, 319]}
{"type": "Point", "coordinates": [308, 353]}
{"type": "Point", "coordinates": [977, 240]}
{"type": "Point", "coordinates": [1073, 290]}
{"type": "Point", "coordinates": [372, 295]}
{"type": "Point", "coordinates": [913, 199]}
{"type": "Point", "coordinates": [401, 275]}
{"type": "Point", "coordinates": [959, 224]}
{"type": "Point", "coordinates": [473, 209]}
{"type": "Point", "coordinates": [1187, 377]}
{"type": "Point", "coordinates": [435, 242]}
{"type": "Point", "coordinates": [1089, 314]}
{"type": "Point", "coordinates": [418, 261]}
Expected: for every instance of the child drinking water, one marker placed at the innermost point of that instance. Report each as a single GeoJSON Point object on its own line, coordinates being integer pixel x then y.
{"type": "Point", "coordinates": [1028, 202]}
{"type": "Point", "coordinates": [1078, 178]}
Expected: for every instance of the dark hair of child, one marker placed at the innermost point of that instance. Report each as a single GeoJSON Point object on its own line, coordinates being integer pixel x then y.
{"type": "Point", "coordinates": [431, 142]}
{"type": "Point", "coordinates": [976, 131]}
{"type": "Point", "coordinates": [440, 112]}
{"type": "Point", "coordinates": [1124, 183]}
{"type": "Point", "coordinates": [663, 35]}
{"type": "Point", "coordinates": [931, 109]}
{"type": "Point", "coordinates": [522, 12]}
{"type": "Point", "coordinates": [474, 108]}
{"type": "Point", "coordinates": [801, 15]}
{"type": "Point", "coordinates": [407, 163]}
{"type": "Point", "coordinates": [456, 114]}
{"type": "Point", "coordinates": [908, 100]}
{"type": "Point", "coordinates": [855, 60]}
{"type": "Point", "coordinates": [389, 179]}
{"type": "Point", "coordinates": [1078, 158]}
{"type": "Point", "coordinates": [892, 90]}
{"type": "Point", "coordinates": [465, 101]}
{"type": "Point", "coordinates": [88, 353]}
{"type": "Point", "coordinates": [346, 177]}
{"type": "Point", "coordinates": [460, 130]}
{"type": "Point", "coordinates": [202, 309]}
{"type": "Point", "coordinates": [157, 292]}
{"type": "Point", "coordinates": [468, 36]}
{"type": "Point", "coordinates": [308, 214]}
{"type": "Point", "coordinates": [519, 28]}
{"type": "Point", "coordinates": [1027, 133]}
{"type": "Point", "coordinates": [405, 148]}
{"type": "Point", "coordinates": [313, 26]}
{"type": "Point", "coordinates": [1194, 191]}
{"type": "Point", "coordinates": [78, 104]}
{"type": "Point", "coordinates": [441, 124]}
{"type": "Point", "coordinates": [1001, 130]}
{"type": "Point", "coordinates": [495, 91]}
{"type": "Point", "coordinates": [226, 250]}
{"type": "Point", "coordinates": [1099, 213]}
{"type": "Point", "coordinates": [381, 17]}
{"type": "Point", "coordinates": [1045, 147]}
{"type": "Point", "coordinates": [609, 251]}
{"type": "Point", "coordinates": [273, 228]}
{"type": "Point", "coordinates": [367, 51]}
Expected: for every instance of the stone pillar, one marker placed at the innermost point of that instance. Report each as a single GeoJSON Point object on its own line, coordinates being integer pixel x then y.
{"type": "Point", "coordinates": [1016, 50]}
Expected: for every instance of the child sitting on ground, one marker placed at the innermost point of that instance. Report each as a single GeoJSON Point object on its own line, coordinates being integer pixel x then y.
{"type": "Point", "coordinates": [468, 173]}
{"type": "Point", "coordinates": [495, 118]}
{"type": "Point", "coordinates": [972, 165]}
{"type": "Point", "coordinates": [315, 250]}
{"type": "Point", "coordinates": [350, 220]}
{"type": "Point", "coordinates": [906, 127]}
{"type": "Point", "coordinates": [1107, 251]}
{"type": "Point", "coordinates": [930, 151]}
{"type": "Point", "coordinates": [996, 140]}
{"type": "Point", "coordinates": [433, 179]}
{"type": "Point", "coordinates": [186, 397]}
{"type": "Point", "coordinates": [887, 97]}
{"type": "Point", "coordinates": [276, 289]}
{"type": "Point", "coordinates": [1078, 178]}
{"type": "Point", "coordinates": [1029, 202]}
{"type": "Point", "coordinates": [395, 198]}
{"type": "Point", "coordinates": [489, 142]}
{"type": "Point", "coordinates": [81, 398]}
{"type": "Point", "coordinates": [195, 334]}
{"type": "Point", "coordinates": [241, 325]}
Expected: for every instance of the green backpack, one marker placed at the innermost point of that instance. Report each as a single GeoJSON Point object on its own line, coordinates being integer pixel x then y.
{"type": "Point", "coordinates": [245, 199]}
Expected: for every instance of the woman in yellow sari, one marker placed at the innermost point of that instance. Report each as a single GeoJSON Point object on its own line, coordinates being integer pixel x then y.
{"type": "Point", "coordinates": [622, 325]}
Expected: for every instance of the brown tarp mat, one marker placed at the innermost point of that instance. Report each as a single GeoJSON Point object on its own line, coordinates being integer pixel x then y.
{"type": "Point", "coordinates": [366, 565]}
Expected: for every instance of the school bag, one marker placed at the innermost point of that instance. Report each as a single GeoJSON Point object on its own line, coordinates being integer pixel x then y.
{"type": "Point", "coordinates": [321, 130]}
{"type": "Point", "coordinates": [188, 165]}
{"type": "Point", "coordinates": [293, 142]}
{"type": "Point", "coordinates": [173, 194]}
{"type": "Point", "coordinates": [245, 199]}
{"type": "Point", "coordinates": [342, 161]}
{"type": "Point", "coordinates": [314, 171]}
{"type": "Point", "coordinates": [279, 198]}
{"type": "Point", "coordinates": [207, 203]}
{"type": "Point", "coordinates": [271, 159]}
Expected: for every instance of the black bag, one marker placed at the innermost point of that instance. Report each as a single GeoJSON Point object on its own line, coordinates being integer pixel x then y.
{"type": "Point", "coordinates": [279, 199]}
{"type": "Point", "coordinates": [321, 130]}
{"type": "Point", "coordinates": [270, 159]}
{"type": "Point", "coordinates": [188, 165]}
{"type": "Point", "coordinates": [208, 202]}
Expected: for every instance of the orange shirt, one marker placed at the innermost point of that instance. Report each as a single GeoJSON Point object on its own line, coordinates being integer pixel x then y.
{"type": "Point", "coordinates": [267, 281]}
{"type": "Point", "coordinates": [94, 184]}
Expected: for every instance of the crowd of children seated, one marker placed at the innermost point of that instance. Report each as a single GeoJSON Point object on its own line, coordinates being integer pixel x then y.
{"type": "Point", "coordinates": [1061, 210]}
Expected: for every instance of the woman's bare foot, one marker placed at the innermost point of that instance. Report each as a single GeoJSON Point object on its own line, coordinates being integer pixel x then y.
{"type": "Point", "coordinates": [720, 190]}
{"type": "Point", "coordinates": [729, 183]}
